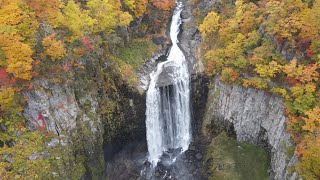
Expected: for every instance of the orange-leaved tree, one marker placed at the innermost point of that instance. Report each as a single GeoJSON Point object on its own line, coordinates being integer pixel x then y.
{"type": "Point", "coordinates": [308, 148]}
{"type": "Point", "coordinates": [17, 32]}
{"type": "Point", "coordinates": [301, 73]}
{"type": "Point", "coordinates": [48, 11]}
{"type": "Point", "coordinates": [165, 5]}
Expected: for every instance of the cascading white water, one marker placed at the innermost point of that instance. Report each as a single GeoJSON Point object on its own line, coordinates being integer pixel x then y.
{"type": "Point", "coordinates": [168, 108]}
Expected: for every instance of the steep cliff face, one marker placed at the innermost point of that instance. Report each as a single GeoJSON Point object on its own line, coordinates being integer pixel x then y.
{"type": "Point", "coordinates": [99, 121]}
{"type": "Point", "coordinates": [256, 117]}
{"type": "Point", "coordinates": [150, 65]}
{"type": "Point", "coordinates": [56, 108]}
{"type": "Point", "coordinates": [127, 122]}
{"type": "Point", "coordinates": [190, 39]}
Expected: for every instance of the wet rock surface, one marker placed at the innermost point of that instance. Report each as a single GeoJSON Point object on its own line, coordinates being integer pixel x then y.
{"type": "Point", "coordinates": [144, 71]}
{"type": "Point", "coordinates": [167, 76]}
{"type": "Point", "coordinates": [132, 164]}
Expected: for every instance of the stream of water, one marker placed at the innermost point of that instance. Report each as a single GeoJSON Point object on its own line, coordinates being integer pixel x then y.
{"type": "Point", "coordinates": [168, 114]}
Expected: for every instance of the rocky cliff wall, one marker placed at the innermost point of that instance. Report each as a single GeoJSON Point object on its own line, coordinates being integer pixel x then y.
{"type": "Point", "coordinates": [99, 121]}
{"type": "Point", "coordinates": [256, 117]}
{"type": "Point", "coordinates": [56, 108]}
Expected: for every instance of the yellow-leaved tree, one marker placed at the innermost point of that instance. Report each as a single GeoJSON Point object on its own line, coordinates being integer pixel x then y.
{"type": "Point", "coordinates": [107, 15]}
{"type": "Point", "coordinates": [16, 18]}
{"type": "Point", "coordinates": [18, 56]}
{"type": "Point", "coordinates": [6, 99]}
{"type": "Point", "coordinates": [308, 148]}
{"type": "Point", "coordinates": [210, 24]}
{"type": "Point", "coordinates": [137, 7]}
{"type": "Point", "coordinates": [77, 20]}
{"type": "Point", "coordinates": [240, 6]}
{"type": "Point", "coordinates": [53, 48]}
{"type": "Point", "coordinates": [269, 70]}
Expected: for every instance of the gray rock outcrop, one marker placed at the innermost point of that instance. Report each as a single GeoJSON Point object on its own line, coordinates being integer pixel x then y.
{"type": "Point", "coordinates": [256, 117]}
{"type": "Point", "coordinates": [58, 107]}
{"type": "Point", "coordinates": [190, 39]}
{"type": "Point", "coordinates": [144, 71]}
{"type": "Point", "coordinates": [55, 108]}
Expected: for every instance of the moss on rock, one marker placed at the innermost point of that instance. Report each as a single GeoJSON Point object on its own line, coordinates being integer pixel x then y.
{"type": "Point", "coordinates": [137, 52]}
{"type": "Point", "coordinates": [231, 160]}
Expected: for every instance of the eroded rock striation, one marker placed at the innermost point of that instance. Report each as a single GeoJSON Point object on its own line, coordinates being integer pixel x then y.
{"type": "Point", "coordinates": [256, 117]}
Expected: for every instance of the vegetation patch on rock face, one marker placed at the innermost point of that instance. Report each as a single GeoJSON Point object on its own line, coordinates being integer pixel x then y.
{"type": "Point", "coordinates": [137, 51]}
{"type": "Point", "coordinates": [228, 159]}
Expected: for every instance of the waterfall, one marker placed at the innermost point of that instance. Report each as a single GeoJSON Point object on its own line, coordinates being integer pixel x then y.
{"type": "Point", "coordinates": [168, 114]}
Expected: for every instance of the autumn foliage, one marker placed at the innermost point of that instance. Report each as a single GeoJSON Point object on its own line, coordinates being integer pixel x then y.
{"type": "Point", "coordinates": [4, 78]}
{"type": "Point", "coordinates": [6, 98]}
{"type": "Point", "coordinates": [138, 7]}
{"type": "Point", "coordinates": [48, 11]}
{"type": "Point", "coordinates": [165, 5]}
{"type": "Point", "coordinates": [41, 39]}
{"type": "Point", "coordinates": [210, 24]}
{"type": "Point", "coordinates": [18, 56]}
{"type": "Point", "coordinates": [87, 43]}
{"type": "Point", "coordinates": [301, 73]}
{"type": "Point", "coordinates": [309, 146]}
{"type": "Point", "coordinates": [53, 48]}
{"type": "Point", "coordinates": [248, 42]}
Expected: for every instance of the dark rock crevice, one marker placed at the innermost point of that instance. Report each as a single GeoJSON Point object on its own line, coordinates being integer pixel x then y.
{"type": "Point", "coordinates": [131, 114]}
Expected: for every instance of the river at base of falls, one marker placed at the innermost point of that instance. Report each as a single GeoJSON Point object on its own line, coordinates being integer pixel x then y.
{"type": "Point", "coordinates": [168, 117]}
{"type": "Point", "coordinates": [131, 164]}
